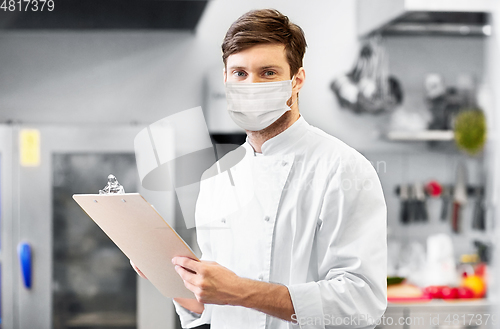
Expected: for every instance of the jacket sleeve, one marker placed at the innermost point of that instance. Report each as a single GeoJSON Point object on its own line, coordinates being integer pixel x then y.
{"type": "Point", "coordinates": [351, 246]}
{"type": "Point", "coordinates": [190, 319]}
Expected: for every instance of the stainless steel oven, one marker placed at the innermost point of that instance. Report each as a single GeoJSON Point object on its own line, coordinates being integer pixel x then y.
{"type": "Point", "coordinates": [58, 269]}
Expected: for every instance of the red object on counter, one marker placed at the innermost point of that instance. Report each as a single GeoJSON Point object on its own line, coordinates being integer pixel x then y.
{"type": "Point", "coordinates": [464, 292]}
{"type": "Point", "coordinates": [446, 292]}
{"type": "Point", "coordinates": [434, 291]}
{"type": "Point", "coordinates": [421, 299]}
{"type": "Point", "coordinates": [449, 293]}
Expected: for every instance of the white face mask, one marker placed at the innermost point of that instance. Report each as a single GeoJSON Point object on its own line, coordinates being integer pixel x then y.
{"type": "Point", "coordinates": [255, 106]}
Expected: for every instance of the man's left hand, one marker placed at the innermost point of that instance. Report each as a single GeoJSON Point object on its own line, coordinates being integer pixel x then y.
{"type": "Point", "coordinates": [211, 282]}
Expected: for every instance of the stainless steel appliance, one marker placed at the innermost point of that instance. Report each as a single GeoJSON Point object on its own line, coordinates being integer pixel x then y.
{"type": "Point", "coordinates": [59, 270]}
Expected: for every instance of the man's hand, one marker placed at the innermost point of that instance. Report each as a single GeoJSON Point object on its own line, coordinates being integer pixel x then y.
{"type": "Point", "coordinates": [214, 284]}
{"type": "Point", "coordinates": [210, 282]}
{"type": "Point", "coordinates": [190, 304]}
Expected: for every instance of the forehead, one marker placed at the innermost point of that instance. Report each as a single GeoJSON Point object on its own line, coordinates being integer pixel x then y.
{"type": "Point", "coordinates": [259, 56]}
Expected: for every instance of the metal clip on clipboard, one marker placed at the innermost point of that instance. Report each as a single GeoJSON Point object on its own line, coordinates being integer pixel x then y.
{"type": "Point", "coordinates": [113, 186]}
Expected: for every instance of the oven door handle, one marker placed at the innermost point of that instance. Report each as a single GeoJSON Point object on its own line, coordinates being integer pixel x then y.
{"type": "Point", "coordinates": [25, 260]}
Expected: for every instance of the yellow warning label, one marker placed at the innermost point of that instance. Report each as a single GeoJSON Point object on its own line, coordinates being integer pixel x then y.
{"type": "Point", "coordinates": [30, 147]}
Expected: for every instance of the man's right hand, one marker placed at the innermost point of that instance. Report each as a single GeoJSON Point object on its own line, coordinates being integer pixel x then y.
{"type": "Point", "coordinates": [191, 304]}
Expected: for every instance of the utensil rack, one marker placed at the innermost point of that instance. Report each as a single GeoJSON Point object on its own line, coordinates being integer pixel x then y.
{"type": "Point", "coordinates": [472, 190]}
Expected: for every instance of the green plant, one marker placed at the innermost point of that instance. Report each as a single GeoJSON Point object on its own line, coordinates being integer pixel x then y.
{"type": "Point", "coordinates": [470, 130]}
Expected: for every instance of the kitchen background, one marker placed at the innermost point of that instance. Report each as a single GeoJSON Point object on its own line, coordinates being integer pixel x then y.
{"type": "Point", "coordinates": [57, 79]}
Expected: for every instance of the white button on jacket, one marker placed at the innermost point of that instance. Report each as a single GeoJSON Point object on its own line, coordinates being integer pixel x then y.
{"type": "Point", "coordinates": [323, 234]}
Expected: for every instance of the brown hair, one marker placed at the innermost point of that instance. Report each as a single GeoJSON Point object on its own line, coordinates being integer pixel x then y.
{"type": "Point", "coordinates": [266, 26]}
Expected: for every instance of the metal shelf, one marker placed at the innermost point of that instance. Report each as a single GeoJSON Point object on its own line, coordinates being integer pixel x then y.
{"type": "Point", "coordinates": [424, 135]}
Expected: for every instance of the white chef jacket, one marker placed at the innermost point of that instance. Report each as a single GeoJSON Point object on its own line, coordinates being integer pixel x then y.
{"type": "Point", "coordinates": [308, 213]}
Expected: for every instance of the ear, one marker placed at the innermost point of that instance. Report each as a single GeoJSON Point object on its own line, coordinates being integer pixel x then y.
{"type": "Point", "coordinates": [225, 74]}
{"type": "Point", "coordinates": [299, 80]}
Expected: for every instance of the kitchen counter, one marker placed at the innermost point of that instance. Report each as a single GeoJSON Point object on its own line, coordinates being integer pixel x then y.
{"type": "Point", "coordinates": [440, 314]}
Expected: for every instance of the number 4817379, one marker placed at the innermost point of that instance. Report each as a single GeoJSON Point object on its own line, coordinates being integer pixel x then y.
{"type": "Point", "coordinates": [27, 5]}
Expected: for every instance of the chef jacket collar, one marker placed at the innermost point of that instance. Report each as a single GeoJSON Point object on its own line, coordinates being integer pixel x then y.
{"type": "Point", "coordinates": [284, 140]}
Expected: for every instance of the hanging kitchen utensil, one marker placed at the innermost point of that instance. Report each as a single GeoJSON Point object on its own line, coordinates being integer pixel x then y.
{"type": "Point", "coordinates": [420, 205]}
{"type": "Point", "coordinates": [403, 197]}
{"type": "Point", "coordinates": [479, 216]}
{"type": "Point", "coordinates": [368, 88]}
{"type": "Point", "coordinates": [433, 188]}
{"type": "Point", "coordinates": [445, 199]}
{"type": "Point", "coordinates": [412, 204]}
{"type": "Point", "coordinates": [459, 196]}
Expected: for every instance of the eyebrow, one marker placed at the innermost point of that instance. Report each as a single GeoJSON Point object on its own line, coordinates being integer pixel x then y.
{"type": "Point", "coordinates": [260, 68]}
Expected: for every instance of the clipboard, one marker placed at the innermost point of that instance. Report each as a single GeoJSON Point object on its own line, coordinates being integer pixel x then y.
{"type": "Point", "coordinates": [142, 235]}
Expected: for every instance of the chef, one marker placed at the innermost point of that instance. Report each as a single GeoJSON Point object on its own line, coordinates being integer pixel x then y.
{"type": "Point", "coordinates": [305, 247]}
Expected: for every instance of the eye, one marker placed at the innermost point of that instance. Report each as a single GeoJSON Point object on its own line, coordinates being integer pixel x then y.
{"type": "Point", "coordinates": [269, 73]}
{"type": "Point", "coordinates": [239, 74]}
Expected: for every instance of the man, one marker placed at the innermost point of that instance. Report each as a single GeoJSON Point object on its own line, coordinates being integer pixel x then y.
{"type": "Point", "coordinates": [309, 248]}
